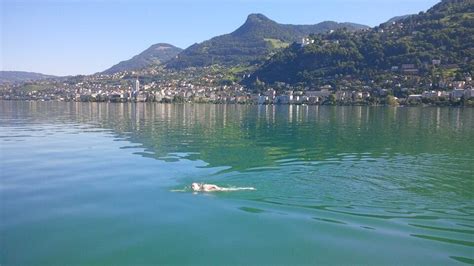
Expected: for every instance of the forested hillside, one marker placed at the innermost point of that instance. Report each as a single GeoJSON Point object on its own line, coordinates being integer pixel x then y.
{"type": "Point", "coordinates": [441, 38]}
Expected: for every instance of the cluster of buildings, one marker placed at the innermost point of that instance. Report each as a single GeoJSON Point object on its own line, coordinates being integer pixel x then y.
{"type": "Point", "coordinates": [437, 95]}
{"type": "Point", "coordinates": [206, 86]}
{"type": "Point", "coordinates": [319, 96]}
{"type": "Point", "coordinates": [186, 92]}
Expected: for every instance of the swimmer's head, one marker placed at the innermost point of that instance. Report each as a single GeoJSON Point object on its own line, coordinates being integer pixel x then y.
{"type": "Point", "coordinates": [196, 186]}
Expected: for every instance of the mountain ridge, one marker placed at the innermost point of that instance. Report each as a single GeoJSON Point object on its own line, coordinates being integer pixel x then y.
{"type": "Point", "coordinates": [251, 42]}
{"type": "Point", "coordinates": [7, 76]}
{"type": "Point", "coordinates": [155, 54]}
{"type": "Point", "coordinates": [398, 18]}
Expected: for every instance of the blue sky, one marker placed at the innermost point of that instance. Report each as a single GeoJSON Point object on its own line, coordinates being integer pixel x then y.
{"type": "Point", "coordinates": [69, 37]}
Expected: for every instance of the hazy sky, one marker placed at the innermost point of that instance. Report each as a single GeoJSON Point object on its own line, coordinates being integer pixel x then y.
{"type": "Point", "coordinates": [68, 37]}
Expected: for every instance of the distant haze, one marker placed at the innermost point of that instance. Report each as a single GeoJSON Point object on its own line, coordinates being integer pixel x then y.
{"type": "Point", "coordinates": [84, 37]}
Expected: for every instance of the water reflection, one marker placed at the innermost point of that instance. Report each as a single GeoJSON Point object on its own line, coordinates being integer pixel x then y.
{"type": "Point", "coordinates": [256, 136]}
{"type": "Point", "coordinates": [418, 143]}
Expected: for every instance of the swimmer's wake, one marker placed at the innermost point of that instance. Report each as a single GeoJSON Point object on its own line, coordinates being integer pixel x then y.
{"type": "Point", "coordinates": [236, 188]}
{"type": "Point", "coordinates": [201, 187]}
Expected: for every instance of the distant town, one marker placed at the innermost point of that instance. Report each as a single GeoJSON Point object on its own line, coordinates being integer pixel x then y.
{"type": "Point", "coordinates": [208, 85]}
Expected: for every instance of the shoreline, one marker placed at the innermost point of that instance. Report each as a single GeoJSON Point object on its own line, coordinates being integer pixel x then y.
{"type": "Point", "coordinates": [423, 105]}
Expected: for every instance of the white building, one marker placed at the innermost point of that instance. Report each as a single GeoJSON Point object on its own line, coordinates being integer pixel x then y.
{"type": "Point", "coordinates": [321, 93]}
{"type": "Point", "coordinates": [137, 85]}
{"type": "Point", "coordinates": [306, 41]}
{"type": "Point", "coordinates": [271, 94]}
{"type": "Point", "coordinates": [457, 94]}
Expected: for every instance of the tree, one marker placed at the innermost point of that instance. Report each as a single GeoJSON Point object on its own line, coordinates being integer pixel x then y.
{"type": "Point", "coordinates": [390, 100]}
{"type": "Point", "coordinates": [178, 99]}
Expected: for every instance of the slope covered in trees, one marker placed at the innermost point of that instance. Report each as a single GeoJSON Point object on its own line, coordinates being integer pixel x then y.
{"type": "Point", "coordinates": [253, 41]}
{"type": "Point", "coordinates": [444, 33]}
{"type": "Point", "coordinates": [156, 54]}
{"type": "Point", "coordinates": [21, 76]}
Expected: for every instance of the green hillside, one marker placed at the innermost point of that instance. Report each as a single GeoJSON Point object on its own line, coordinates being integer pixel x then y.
{"type": "Point", "coordinates": [21, 76]}
{"type": "Point", "coordinates": [154, 55]}
{"type": "Point", "coordinates": [252, 42]}
{"type": "Point", "coordinates": [413, 45]}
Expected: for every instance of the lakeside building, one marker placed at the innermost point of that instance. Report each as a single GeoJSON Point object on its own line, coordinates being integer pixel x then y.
{"type": "Point", "coordinates": [137, 85]}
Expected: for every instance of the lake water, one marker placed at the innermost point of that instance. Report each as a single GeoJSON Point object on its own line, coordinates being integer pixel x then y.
{"type": "Point", "coordinates": [88, 183]}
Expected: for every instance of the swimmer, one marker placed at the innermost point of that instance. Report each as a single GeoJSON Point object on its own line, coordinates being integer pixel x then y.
{"type": "Point", "coordinates": [201, 187]}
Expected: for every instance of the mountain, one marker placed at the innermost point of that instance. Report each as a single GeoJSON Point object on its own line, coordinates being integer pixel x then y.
{"type": "Point", "coordinates": [398, 18]}
{"type": "Point", "coordinates": [444, 35]}
{"type": "Point", "coordinates": [157, 54]}
{"type": "Point", "coordinates": [254, 40]}
{"type": "Point", "coordinates": [21, 76]}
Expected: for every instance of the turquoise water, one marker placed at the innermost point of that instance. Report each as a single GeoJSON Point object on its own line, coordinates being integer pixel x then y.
{"type": "Point", "coordinates": [88, 183]}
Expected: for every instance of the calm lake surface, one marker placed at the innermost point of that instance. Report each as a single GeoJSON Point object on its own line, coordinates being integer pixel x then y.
{"type": "Point", "coordinates": [89, 183]}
